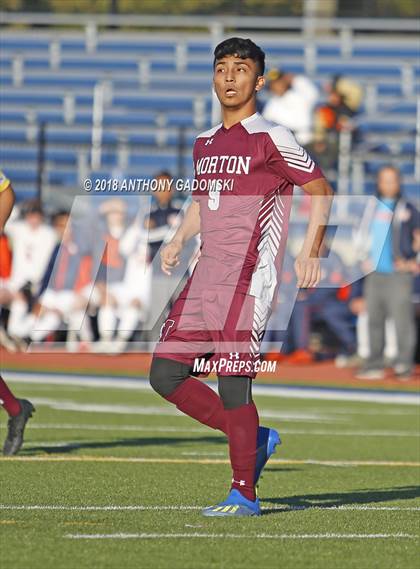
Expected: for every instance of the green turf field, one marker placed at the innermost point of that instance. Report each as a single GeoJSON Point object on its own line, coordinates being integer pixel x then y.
{"type": "Point", "coordinates": [115, 478]}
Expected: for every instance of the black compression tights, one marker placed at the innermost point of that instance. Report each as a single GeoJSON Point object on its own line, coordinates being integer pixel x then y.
{"type": "Point", "coordinates": [166, 375]}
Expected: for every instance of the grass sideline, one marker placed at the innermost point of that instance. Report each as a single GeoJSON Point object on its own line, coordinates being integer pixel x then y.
{"type": "Point", "coordinates": [112, 478]}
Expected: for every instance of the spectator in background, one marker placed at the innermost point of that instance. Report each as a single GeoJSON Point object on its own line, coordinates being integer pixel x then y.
{"type": "Point", "coordinates": [388, 290]}
{"type": "Point", "coordinates": [328, 303]}
{"type": "Point", "coordinates": [112, 226]}
{"type": "Point", "coordinates": [64, 291]}
{"type": "Point", "coordinates": [134, 302]}
{"type": "Point", "coordinates": [32, 243]}
{"type": "Point", "coordinates": [344, 98]}
{"type": "Point", "coordinates": [163, 221]}
{"type": "Point", "coordinates": [357, 305]}
{"type": "Point", "coordinates": [164, 213]}
{"type": "Point", "coordinates": [292, 102]}
{"type": "Point", "coordinates": [293, 322]}
{"type": "Point", "coordinates": [119, 302]}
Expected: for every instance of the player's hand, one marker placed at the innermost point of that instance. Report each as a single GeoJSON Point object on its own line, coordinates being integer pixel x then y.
{"type": "Point", "coordinates": [169, 256]}
{"type": "Point", "coordinates": [308, 271]}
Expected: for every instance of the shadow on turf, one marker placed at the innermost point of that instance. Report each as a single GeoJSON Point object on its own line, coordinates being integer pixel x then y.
{"type": "Point", "coordinates": [132, 442]}
{"type": "Point", "coordinates": [331, 500]}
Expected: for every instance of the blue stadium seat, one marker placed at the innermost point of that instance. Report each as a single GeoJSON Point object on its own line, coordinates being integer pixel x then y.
{"type": "Point", "coordinates": [384, 126]}
{"type": "Point", "coordinates": [386, 52]}
{"type": "Point", "coordinates": [62, 178]}
{"type": "Point", "coordinates": [13, 135]}
{"type": "Point", "coordinates": [352, 69]}
{"type": "Point", "coordinates": [21, 175]}
{"type": "Point", "coordinates": [29, 99]}
{"type": "Point", "coordinates": [406, 168]}
{"type": "Point", "coordinates": [406, 108]}
{"type": "Point", "coordinates": [329, 50]}
{"type": "Point", "coordinates": [395, 148]}
{"type": "Point", "coordinates": [132, 48]}
{"type": "Point", "coordinates": [134, 108]}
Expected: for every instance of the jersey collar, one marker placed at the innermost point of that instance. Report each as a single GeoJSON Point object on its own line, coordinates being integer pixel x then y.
{"type": "Point", "coordinates": [242, 122]}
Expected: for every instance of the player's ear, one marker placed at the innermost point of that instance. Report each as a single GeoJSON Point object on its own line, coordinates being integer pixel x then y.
{"type": "Point", "coordinates": [260, 83]}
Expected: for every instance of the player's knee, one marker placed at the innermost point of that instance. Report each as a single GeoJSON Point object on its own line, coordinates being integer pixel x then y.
{"type": "Point", "coordinates": [235, 391]}
{"type": "Point", "coordinates": [166, 375]}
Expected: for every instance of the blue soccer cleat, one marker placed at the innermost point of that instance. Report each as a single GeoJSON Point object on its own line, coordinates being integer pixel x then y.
{"type": "Point", "coordinates": [235, 505]}
{"type": "Point", "coordinates": [267, 441]}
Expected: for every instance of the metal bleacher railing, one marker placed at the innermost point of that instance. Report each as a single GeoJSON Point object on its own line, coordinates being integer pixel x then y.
{"type": "Point", "coordinates": [106, 99]}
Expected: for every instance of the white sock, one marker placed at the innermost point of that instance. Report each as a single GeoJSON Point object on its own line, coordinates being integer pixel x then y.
{"type": "Point", "coordinates": [129, 318]}
{"type": "Point", "coordinates": [47, 323]}
{"type": "Point", "coordinates": [107, 322]}
{"type": "Point", "coordinates": [363, 348]}
{"type": "Point", "coordinates": [17, 325]}
{"type": "Point", "coordinates": [80, 322]}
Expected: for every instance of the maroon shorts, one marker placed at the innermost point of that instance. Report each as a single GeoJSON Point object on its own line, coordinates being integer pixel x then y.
{"type": "Point", "coordinates": [216, 330]}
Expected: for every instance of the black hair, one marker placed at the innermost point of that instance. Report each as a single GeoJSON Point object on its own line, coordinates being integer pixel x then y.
{"type": "Point", "coordinates": [31, 206]}
{"type": "Point", "coordinates": [392, 167]}
{"type": "Point", "coordinates": [242, 48]}
{"type": "Point", "coordinates": [163, 174]}
{"type": "Point", "coordinates": [59, 213]}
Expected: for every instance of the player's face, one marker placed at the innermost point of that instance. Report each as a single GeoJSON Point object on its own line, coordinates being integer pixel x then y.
{"type": "Point", "coordinates": [34, 219]}
{"type": "Point", "coordinates": [164, 194]}
{"type": "Point", "coordinates": [60, 225]}
{"type": "Point", "coordinates": [278, 87]}
{"type": "Point", "coordinates": [115, 218]}
{"type": "Point", "coordinates": [236, 81]}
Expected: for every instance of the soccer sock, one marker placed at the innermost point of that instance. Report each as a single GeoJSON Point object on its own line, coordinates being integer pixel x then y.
{"type": "Point", "coordinates": [129, 318]}
{"type": "Point", "coordinates": [8, 400]}
{"type": "Point", "coordinates": [18, 313]}
{"type": "Point", "coordinates": [199, 401]}
{"type": "Point", "coordinates": [242, 427]}
{"type": "Point", "coordinates": [78, 322]}
{"type": "Point", "coordinates": [107, 322]}
{"type": "Point", "coordinates": [49, 322]}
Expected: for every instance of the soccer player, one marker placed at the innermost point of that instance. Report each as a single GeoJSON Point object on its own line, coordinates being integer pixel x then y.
{"type": "Point", "coordinates": [245, 170]}
{"type": "Point", "coordinates": [33, 241]}
{"type": "Point", "coordinates": [19, 410]}
{"type": "Point", "coordinates": [65, 287]}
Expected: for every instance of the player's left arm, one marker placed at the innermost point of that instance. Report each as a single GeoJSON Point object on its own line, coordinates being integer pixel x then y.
{"type": "Point", "coordinates": [307, 264]}
{"type": "Point", "coordinates": [287, 159]}
{"type": "Point", "coordinates": [7, 200]}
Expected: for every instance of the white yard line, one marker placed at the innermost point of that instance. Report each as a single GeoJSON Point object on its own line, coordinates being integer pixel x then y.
{"type": "Point", "coordinates": [124, 409]}
{"type": "Point", "coordinates": [381, 412]}
{"type": "Point", "coordinates": [79, 380]}
{"type": "Point", "coordinates": [167, 460]}
{"type": "Point", "coordinates": [241, 536]}
{"type": "Point", "coordinates": [258, 389]}
{"type": "Point", "coordinates": [172, 429]}
{"type": "Point", "coordinates": [141, 507]}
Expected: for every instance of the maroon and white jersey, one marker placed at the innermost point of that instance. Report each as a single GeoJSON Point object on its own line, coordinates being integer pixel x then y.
{"type": "Point", "coordinates": [244, 179]}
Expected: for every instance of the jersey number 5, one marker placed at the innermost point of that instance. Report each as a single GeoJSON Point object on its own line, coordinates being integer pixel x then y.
{"type": "Point", "coordinates": [214, 196]}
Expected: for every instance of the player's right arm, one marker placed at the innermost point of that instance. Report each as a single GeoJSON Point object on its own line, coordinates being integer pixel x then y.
{"type": "Point", "coordinates": [188, 229]}
{"type": "Point", "coordinates": [7, 200]}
